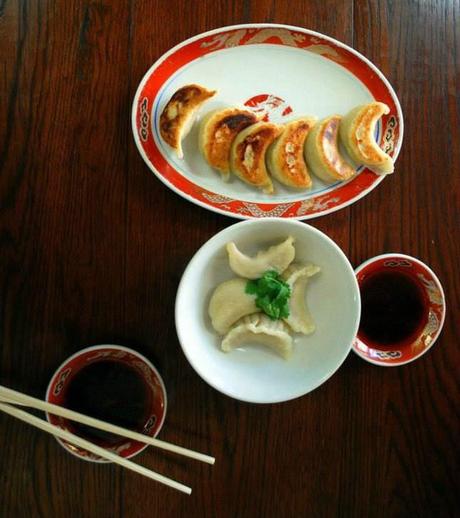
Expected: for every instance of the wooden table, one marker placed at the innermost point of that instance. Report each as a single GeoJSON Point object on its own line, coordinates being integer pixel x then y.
{"type": "Point", "coordinates": [93, 247]}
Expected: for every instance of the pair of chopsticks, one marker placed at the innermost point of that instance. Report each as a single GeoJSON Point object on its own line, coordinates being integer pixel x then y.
{"type": "Point", "coordinates": [10, 398]}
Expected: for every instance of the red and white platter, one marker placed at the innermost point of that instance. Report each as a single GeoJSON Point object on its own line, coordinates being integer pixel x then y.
{"type": "Point", "coordinates": [280, 72]}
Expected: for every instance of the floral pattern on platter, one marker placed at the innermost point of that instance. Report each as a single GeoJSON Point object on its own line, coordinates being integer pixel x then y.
{"type": "Point", "coordinates": [326, 51]}
{"type": "Point", "coordinates": [145, 119]}
{"type": "Point", "coordinates": [315, 205]}
{"type": "Point", "coordinates": [269, 107]}
{"type": "Point", "coordinates": [218, 200]}
{"type": "Point", "coordinates": [253, 36]}
{"type": "Point", "coordinates": [254, 210]}
{"type": "Point", "coordinates": [271, 35]}
{"type": "Point", "coordinates": [389, 135]}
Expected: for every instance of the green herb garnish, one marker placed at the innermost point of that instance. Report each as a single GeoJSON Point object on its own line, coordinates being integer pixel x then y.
{"type": "Point", "coordinates": [272, 294]}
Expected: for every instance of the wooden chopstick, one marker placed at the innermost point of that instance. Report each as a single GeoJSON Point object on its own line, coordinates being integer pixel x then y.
{"type": "Point", "coordinates": [87, 445]}
{"type": "Point", "coordinates": [14, 397]}
{"type": "Point", "coordinates": [10, 401]}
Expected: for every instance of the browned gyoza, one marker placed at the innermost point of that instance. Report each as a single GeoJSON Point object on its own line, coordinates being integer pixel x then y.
{"type": "Point", "coordinates": [177, 116]}
{"type": "Point", "coordinates": [285, 159]}
{"type": "Point", "coordinates": [217, 132]}
{"type": "Point", "coordinates": [322, 151]}
{"type": "Point", "coordinates": [357, 135]}
{"type": "Point", "coordinates": [247, 156]}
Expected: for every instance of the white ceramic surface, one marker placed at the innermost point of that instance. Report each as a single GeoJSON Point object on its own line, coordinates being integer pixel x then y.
{"type": "Point", "coordinates": [254, 373]}
{"type": "Point", "coordinates": [285, 71]}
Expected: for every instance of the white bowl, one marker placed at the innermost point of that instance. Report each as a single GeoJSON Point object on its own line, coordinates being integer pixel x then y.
{"type": "Point", "coordinates": [256, 374]}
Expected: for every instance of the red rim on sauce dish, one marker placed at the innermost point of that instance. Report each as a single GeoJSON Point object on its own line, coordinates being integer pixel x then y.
{"type": "Point", "coordinates": [402, 309]}
{"type": "Point", "coordinates": [114, 384]}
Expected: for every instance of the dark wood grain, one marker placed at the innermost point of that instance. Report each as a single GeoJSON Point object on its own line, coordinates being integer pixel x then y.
{"type": "Point", "coordinates": [416, 213]}
{"type": "Point", "coordinates": [93, 247]}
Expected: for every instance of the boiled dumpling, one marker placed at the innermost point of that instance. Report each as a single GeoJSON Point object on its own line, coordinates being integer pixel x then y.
{"type": "Point", "coordinates": [322, 152]}
{"type": "Point", "coordinates": [177, 116]}
{"type": "Point", "coordinates": [258, 328]}
{"type": "Point", "coordinates": [229, 303]}
{"type": "Point", "coordinates": [277, 257]}
{"type": "Point", "coordinates": [217, 132]}
{"type": "Point", "coordinates": [299, 318]}
{"type": "Point", "coordinates": [357, 135]}
{"type": "Point", "coordinates": [285, 159]}
{"type": "Point", "coordinates": [247, 155]}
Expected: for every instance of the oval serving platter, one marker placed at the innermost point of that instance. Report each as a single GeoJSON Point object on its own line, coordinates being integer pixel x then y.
{"type": "Point", "coordinates": [280, 72]}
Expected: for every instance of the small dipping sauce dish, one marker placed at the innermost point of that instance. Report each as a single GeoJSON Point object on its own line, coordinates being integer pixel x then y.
{"type": "Point", "coordinates": [402, 309]}
{"type": "Point", "coordinates": [114, 384]}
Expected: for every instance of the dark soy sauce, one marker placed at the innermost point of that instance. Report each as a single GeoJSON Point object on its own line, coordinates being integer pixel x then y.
{"type": "Point", "coordinates": [393, 308]}
{"type": "Point", "coordinates": [111, 391]}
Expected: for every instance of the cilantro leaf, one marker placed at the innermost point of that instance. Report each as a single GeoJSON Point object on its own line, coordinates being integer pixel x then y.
{"type": "Point", "coordinates": [251, 287]}
{"type": "Point", "coordinates": [272, 294]}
